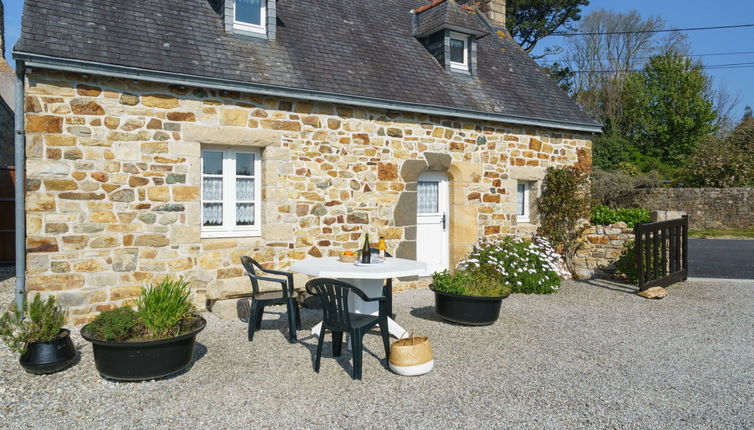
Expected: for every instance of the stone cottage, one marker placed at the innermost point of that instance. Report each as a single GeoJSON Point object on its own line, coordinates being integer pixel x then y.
{"type": "Point", "coordinates": [172, 137]}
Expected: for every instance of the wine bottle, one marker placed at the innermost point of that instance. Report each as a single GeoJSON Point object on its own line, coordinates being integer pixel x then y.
{"type": "Point", "coordinates": [366, 251]}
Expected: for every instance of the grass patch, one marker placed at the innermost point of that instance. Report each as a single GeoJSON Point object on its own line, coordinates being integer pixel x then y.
{"type": "Point", "coordinates": [723, 233]}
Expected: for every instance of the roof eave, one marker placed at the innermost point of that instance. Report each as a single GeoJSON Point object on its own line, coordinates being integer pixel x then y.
{"type": "Point", "coordinates": [105, 69]}
{"type": "Point", "coordinates": [479, 34]}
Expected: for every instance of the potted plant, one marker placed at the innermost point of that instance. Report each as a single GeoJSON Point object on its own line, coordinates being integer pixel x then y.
{"type": "Point", "coordinates": [470, 297]}
{"type": "Point", "coordinates": [37, 334]}
{"type": "Point", "coordinates": [154, 341]}
{"type": "Point", "coordinates": [473, 294]}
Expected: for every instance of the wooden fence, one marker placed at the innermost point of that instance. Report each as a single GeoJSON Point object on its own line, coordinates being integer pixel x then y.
{"type": "Point", "coordinates": [662, 252]}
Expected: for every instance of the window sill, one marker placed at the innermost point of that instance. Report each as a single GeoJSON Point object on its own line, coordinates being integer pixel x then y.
{"type": "Point", "coordinates": [243, 30]}
{"type": "Point", "coordinates": [230, 234]}
{"type": "Point", "coordinates": [523, 220]}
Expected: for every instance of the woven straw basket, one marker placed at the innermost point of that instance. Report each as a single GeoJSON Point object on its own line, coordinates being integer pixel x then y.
{"type": "Point", "coordinates": [411, 356]}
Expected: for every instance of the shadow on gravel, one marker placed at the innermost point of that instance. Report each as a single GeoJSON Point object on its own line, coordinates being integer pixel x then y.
{"type": "Point", "coordinates": [428, 313]}
{"type": "Point", "coordinates": [346, 357]}
{"type": "Point", "coordinates": [611, 285]}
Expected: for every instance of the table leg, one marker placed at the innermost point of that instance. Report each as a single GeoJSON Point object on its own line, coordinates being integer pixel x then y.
{"type": "Point", "coordinates": [395, 329]}
{"type": "Point", "coordinates": [317, 329]}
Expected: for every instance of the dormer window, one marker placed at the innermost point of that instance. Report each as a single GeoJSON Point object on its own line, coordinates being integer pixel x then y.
{"type": "Point", "coordinates": [450, 32]}
{"type": "Point", "coordinates": [250, 15]}
{"type": "Point", "coordinates": [459, 52]}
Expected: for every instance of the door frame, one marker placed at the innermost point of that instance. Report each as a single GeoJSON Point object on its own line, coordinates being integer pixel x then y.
{"type": "Point", "coordinates": [443, 205]}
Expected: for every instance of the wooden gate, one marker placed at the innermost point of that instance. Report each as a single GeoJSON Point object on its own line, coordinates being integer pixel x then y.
{"type": "Point", "coordinates": [7, 215]}
{"type": "Point", "coordinates": [662, 252]}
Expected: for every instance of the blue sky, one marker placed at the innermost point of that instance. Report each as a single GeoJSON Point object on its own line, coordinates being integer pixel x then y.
{"type": "Point", "coordinates": [678, 13]}
{"type": "Point", "coordinates": [701, 13]}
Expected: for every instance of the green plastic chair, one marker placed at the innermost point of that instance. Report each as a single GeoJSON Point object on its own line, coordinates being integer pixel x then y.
{"type": "Point", "coordinates": [259, 300]}
{"type": "Point", "coordinates": [337, 318]}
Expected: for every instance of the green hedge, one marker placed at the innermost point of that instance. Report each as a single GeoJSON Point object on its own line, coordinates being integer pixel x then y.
{"type": "Point", "coordinates": [603, 215]}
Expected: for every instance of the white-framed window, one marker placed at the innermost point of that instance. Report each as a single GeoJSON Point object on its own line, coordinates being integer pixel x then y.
{"type": "Point", "coordinates": [231, 192]}
{"type": "Point", "coordinates": [459, 52]}
{"type": "Point", "coordinates": [250, 15]}
{"type": "Point", "coordinates": [522, 202]}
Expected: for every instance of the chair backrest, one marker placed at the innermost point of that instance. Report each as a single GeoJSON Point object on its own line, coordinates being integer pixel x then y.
{"type": "Point", "coordinates": [248, 264]}
{"type": "Point", "coordinates": [334, 297]}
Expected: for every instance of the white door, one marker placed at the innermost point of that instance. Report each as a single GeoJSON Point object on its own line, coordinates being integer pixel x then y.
{"type": "Point", "coordinates": [432, 222]}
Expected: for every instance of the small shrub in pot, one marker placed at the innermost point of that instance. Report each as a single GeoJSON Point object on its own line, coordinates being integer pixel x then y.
{"type": "Point", "coordinates": [37, 334]}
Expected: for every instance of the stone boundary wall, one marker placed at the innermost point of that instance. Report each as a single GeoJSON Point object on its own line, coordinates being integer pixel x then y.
{"type": "Point", "coordinates": [602, 246]}
{"type": "Point", "coordinates": [707, 207]}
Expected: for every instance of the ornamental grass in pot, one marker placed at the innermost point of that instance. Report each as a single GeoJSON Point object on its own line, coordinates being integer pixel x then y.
{"type": "Point", "coordinates": [154, 340]}
{"type": "Point", "coordinates": [38, 336]}
{"type": "Point", "coordinates": [473, 294]}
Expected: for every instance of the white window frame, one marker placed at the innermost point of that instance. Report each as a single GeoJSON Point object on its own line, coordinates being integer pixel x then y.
{"type": "Point", "coordinates": [229, 229]}
{"type": "Point", "coordinates": [245, 26]}
{"type": "Point", "coordinates": [464, 66]}
{"type": "Point", "coordinates": [526, 217]}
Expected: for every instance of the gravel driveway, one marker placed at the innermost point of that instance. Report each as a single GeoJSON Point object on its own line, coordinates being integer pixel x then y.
{"type": "Point", "coordinates": [593, 355]}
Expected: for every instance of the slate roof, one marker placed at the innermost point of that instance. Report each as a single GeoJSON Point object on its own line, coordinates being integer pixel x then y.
{"type": "Point", "coordinates": [365, 49]}
{"type": "Point", "coordinates": [449, 14]}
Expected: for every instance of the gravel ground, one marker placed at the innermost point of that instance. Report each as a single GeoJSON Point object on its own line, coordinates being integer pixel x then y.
{"type": "Point", "coordinates": [594, 355]}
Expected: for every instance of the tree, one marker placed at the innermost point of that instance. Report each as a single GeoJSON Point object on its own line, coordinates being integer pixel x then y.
{"type": "Point", "coordinates": [719, 163]}
{"type": "Point", "coordinates": [610, 150]}
{"type": "Point", "coordinates": [612, 45]}
{"type": "Point", "coordinates": [667, 108]}
{"type": "Point", "coordinates": [562, 75]}
{"type": "Point", "coordinates": [743, 135]}
{"type": "Point", "coordinates": [529, 21]}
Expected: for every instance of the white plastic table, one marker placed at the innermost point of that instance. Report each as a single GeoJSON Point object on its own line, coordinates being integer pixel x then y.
{"type": "Point", "coordinates": [369, 279]}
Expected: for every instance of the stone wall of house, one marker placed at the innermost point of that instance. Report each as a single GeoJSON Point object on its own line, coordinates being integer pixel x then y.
{"type": "Point", "coordinates": [706, 207]}
{"type": "Point", "coordinates": [601, 247]}
{"type": "Point", "coordinates": [113, 183]}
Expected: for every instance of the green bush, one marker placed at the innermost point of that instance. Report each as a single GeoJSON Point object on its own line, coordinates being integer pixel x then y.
{"type": "Point", "coordinates": [118, 325]}
{"type": "Point", "coordinates": [603, 215]}
{"type": "Point", "coordinates": [626, 264]}
{"type": "Point", "coordinates": [469, 283]}
{"type": "Point", "coordinates": [165, 308]}
{"type": "Point", "coordinates": [615, 188]}
{"type": "Point", "coordinates": [524, 266]}
{"type": "Point", "coordinates": [562, 206]}
{"type": "Point", "coordinates": [40, 321]}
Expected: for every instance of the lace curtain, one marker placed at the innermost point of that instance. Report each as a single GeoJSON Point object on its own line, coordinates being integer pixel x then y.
{"type": "Point", "coordinates": [521, 201]}
{"type": "Point", "coordinates": [427, 196]}
{"type": "Point", "coordinates": [212, 214]}
{"type": "Point", "coordinates": [244, 190]}
{"type": "Point", "coordinates": [244, 214]}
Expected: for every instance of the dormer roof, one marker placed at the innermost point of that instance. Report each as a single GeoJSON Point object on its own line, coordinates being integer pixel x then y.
{"type": "Point", "coordinates": [447, 14]}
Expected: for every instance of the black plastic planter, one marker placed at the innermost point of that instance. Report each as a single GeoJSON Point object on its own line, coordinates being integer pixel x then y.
{"type": "Point", "coordinates": [49, 357]}
{"type": "Point", "coordinates": [139, 361]}
{"type": "Point", "coordinates": [468, 310]}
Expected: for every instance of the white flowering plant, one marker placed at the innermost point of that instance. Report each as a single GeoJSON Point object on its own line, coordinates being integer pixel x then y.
{"type": "Point", "coordinates": [529, 266]}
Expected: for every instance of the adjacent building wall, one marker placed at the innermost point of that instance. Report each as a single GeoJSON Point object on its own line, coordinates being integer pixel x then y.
{"type": "Point", "coordinates": [114, 179]}
{"type": "Point", "coordinates": [7, 102]}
